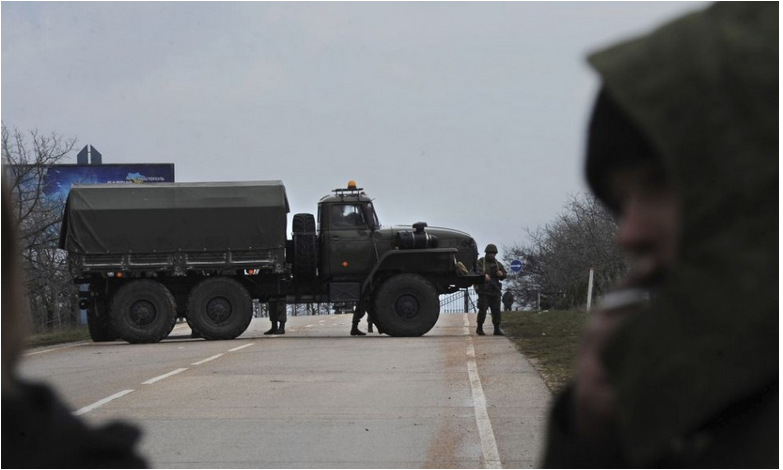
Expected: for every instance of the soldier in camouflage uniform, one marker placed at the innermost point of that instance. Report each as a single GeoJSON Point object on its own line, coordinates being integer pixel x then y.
{"type": "Point", "coordinates": [278, 317]}
{"type": "Point", "coordinates": [489, 292]}
{"type": "Point", "coordinates": [508, 300]}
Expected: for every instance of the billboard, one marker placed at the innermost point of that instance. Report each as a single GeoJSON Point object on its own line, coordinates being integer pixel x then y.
{"type": "Point", "coordinates": [57, 179]}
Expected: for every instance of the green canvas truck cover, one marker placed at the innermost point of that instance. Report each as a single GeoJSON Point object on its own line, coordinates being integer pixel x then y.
{"type": "Point", "coordinates": [171, 217]}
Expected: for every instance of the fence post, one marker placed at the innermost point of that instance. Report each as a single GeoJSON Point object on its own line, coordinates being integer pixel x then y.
{"type": "Point", "coordinates": [590, 291]}
{"type": "Point", "coordinates": [467, 300]}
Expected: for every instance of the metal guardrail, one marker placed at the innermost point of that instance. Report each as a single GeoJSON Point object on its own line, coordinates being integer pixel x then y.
{"type": "Point", "coordinates": [462, 301]}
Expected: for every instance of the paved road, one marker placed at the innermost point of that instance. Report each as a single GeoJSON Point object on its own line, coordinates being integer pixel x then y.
{"type": "Point", "coordinates": [315, 397]}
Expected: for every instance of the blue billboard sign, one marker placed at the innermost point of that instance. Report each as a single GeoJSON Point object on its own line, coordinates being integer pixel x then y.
{"type": "Point", "coordinates": [57, 179]}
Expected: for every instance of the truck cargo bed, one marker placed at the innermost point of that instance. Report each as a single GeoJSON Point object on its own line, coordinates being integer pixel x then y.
{"type": "Point", "coordinates": [176, 226]}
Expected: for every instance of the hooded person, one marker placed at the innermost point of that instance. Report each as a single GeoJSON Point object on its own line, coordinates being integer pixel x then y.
{"type": "Point", "coordinates": [39, 431]}
{"type": "Point", "coordinates": [688, 377]}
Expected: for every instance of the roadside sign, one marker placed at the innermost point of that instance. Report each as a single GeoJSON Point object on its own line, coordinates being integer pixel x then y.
{"type": "Point", "coordinates": [516, 266]}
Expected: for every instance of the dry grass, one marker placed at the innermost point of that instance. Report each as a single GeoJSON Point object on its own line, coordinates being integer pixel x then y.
{"type": "Point", "coordinates": [65, 335]}
{"type": "Point", "coordinates": [549, 339]}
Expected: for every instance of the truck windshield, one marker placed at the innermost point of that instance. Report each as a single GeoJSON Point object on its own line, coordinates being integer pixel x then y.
{"type": "Point", "coordinates": [347, 216]}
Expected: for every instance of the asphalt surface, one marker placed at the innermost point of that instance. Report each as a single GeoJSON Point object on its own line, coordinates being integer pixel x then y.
{"type": "Point", "coordinates": [313, 398]}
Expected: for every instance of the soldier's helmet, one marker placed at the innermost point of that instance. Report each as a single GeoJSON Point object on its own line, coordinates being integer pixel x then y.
{"type": "Point", "coordinates": [491, 248]}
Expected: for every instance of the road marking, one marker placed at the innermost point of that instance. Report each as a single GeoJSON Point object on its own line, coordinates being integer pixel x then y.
{"type": "Point", "coordinates": [489, 446]}
{"type": "Point", "coordinates": [100, 403]}
{"type": "Point", "coordinates": [161, 377]}
{"type": "Point", "coordinates": [212, 358]}
{"type": "Point", "coordinates": [35, 353]}
{"type": "Point", "coordinates": [241, 347]}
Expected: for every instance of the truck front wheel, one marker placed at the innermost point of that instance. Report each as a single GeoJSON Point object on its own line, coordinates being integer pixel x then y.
{"type": "Point", "coordinates": [406, 305]}
{"type": "Point", "coordinates": [220, 308]}
{"type": "Point", "coordinates": [142, 311]}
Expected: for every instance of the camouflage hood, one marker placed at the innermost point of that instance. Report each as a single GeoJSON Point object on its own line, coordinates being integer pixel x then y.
{"type": "Point", "coordinates": [704, 90]}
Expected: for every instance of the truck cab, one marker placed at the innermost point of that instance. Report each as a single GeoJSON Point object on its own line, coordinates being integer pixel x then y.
{"type": "Point", "coordinates": [361, 261]}
{"type": "Point", "coordinates": [347, 225]}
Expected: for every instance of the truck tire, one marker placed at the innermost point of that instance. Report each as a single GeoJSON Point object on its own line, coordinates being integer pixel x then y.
{"type": "Point", "coordinates": [194, 333]}
{"type": "Point", "coordinates": [98, 322]}
{"type": "Point", "coordinates": [220, 308]}
{"type": "Point", "coordinates": [305, 247]}
{"type": "Point", "coordinates": [142, 311]}
{"type": "Point", "coordinates": [406, 305]}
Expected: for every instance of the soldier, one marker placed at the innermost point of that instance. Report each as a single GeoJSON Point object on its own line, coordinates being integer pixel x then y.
{"type": "Point", "coordinates": [278, 317]}
{"type": "Point", "coordinates": [358, 314]}
{"type": "Point", "coordinates": [489, 292]}
{"type": "Point", "coordinates": [508, 300]}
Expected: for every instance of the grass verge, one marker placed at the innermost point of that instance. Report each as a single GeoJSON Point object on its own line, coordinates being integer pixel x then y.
{"type": "Point", "coordinates": [550, 339]}
{"type": "Point", "coordinates": [65, 335]}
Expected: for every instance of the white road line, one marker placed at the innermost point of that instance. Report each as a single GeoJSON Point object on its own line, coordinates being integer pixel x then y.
{"type": "Point", "coordinates": [487, 436]}
{"type": "Point", "coordinates": [100, 403]}
{"type": "Point", "coordinates": [35, 353]}
{"type": "Point", "coordinates": [466, 323]}
{"type": "Point", "coordinates": [241, 347]}
{"type": "Point", "coordinates": [308, 326]}
{"type": "Point", "coordinates": [161, 377]}
{"type": "Point", "coordinates": [212, 358]}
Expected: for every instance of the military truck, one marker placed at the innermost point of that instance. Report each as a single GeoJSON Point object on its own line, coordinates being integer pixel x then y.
{"type": "Point", "coordinates": [144, 255]}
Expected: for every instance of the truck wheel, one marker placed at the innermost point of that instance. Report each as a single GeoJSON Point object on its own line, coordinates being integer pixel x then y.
{"type": "Point", "coordinates": [194, 333]}
{"type": "Point", "coordinates": [98, 322]}
{"type": "Point", "coordinates": [142, 311]}
{"type": "Point", "coordinates": [220, 308]}
{"type": "Point", "coordinates": [305, 247]}
{"type": "Point", "coordinates": [406, 305]}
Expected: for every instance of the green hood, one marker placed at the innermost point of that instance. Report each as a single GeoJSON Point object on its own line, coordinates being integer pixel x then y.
{"type": "Point", "coordinates": [704, 90]}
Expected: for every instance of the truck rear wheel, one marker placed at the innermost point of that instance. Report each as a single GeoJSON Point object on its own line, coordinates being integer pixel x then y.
{"type": "Point", "coordinates": [406, 305]}
{"type": "Point", "coordinates": [220, 308]}
{"type": "Point", "coordinates": [98, 322]}
{"type": "Point", "coordinates": [305, 243]}
{"type": "Point", "coordinates": [142, 311]}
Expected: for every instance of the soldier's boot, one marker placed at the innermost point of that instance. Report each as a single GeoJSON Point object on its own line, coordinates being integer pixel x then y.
{"type": "Point", "coordinates": [498, 332]}
{"type": "Point", "coordinates": [281, 329]}
{"type": "Point", "coordinates": [480, 329]}
{"type": "Point", "coordinates": [272, 330]}
{"type": "Point", "coordinates": [355, 331]}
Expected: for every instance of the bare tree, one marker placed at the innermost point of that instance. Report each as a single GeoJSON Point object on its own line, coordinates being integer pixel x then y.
{"type": "Point", "coordinates": [26, 158]}
{"type": "Point", "coordinates": [558, 256]}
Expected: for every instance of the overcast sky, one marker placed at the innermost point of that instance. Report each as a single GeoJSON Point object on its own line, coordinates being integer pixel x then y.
{"type": "Point", "coordinates": [463, 115]}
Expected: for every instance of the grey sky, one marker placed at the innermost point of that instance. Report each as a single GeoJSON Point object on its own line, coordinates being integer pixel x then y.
{"type": "Point", "coordinates": [464, 115]}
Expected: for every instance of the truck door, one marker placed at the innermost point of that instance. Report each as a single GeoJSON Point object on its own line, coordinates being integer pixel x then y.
{"type": "Point", "coordinates": [346, 241]}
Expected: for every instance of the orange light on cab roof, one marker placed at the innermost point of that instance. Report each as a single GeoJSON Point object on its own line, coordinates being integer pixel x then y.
{"type": "Point", "coordinates": [351, 184]}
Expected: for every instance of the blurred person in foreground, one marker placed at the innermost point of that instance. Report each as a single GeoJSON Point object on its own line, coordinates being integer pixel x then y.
{"type": "Point", "coordinates": [39, 431]}
{"type": "Point", "coordinates": [679, 366]}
